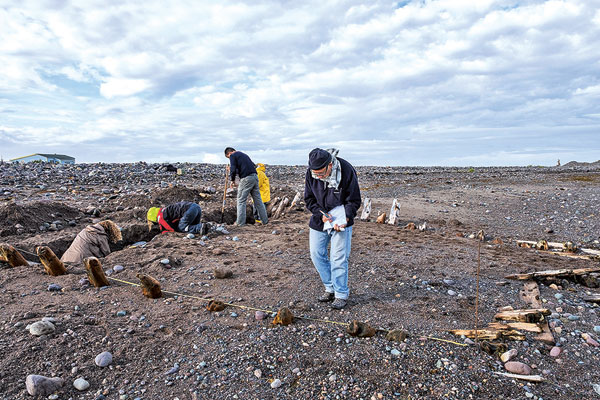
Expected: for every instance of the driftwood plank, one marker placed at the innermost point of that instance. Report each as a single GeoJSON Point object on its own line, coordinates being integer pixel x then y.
{"type": "Point", "coordinates": [530, 378]}
{"type": "Point", "coordinates": [524, 326]}
{"type": "Point", "coordinates": [530, 294]}
{"type": "Point", "coordinates": [593, 298]}
{"type": "Point", "coordinates": [555, 273]}
{"type": "Point", "coordinates": [529, 315]}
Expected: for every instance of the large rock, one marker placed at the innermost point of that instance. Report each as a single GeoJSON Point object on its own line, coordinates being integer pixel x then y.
{"type": "Point", "coordinates": [517, 367]}
{"type": "Point", "coordinates": [38, 385]}
{"type": "Point", "coordinates": [40, 328]}
{"type": "Point", "coordinates": [104, 359]}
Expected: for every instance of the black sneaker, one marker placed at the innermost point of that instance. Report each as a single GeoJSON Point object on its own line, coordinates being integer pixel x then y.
{"type": "Point", "coordinates": [327, 296]}
{"type": "Point", "coordinates": [338, 304]}
{"type": "Point", "coordinates": [204, 229]}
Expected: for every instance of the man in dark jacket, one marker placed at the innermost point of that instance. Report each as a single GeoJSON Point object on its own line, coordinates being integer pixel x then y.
{"type": "Point", "coordinates": [183, 216]}
{"type": "Point", "coordinates": [240, 164]}
{"type": "Point", "coordinates": [331, 185]}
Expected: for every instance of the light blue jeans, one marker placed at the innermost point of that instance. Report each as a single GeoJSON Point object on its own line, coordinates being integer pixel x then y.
{"type": "Point", "coordinates": [249, 186]}
{"type": "Point", "coordinates": [332, 269]}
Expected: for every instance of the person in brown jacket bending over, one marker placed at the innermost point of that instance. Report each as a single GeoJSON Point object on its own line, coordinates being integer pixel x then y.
{"type": "Point", "coordinates": [92, 242]}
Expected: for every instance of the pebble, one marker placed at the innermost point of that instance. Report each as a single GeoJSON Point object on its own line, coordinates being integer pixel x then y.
{"type": "Point", "coordinates": [592, 342]}
{"type": "Point", "coordinates": [555, 352]}
{"type": "Point", "coordinates": [173, 370]}
{"type": "Point", "coordinates": [573, 318]}
{"type": "Point", "coordinates": [81, 384]}
{"type": "Point", "coordinates": [259, 315]}
{"type": "Point", "coordinates": [165, 261]}
{"type": "Point", "coordinates": [103, 359]}
{"type": "Point", "coordinates": [235, 238]}
{"type": "Point", "coordinates": [275, 384]}
{"type": "Point", "coordinates": [517, 367]}
{"type": "Point", "coordinates": [54, 287]}
{"type": "Point", "coordinates": [233, 315]}
{"type": "Point", "coordinates": [40, 328]}
{"type": "Point", "coordinates": [38, 385]}
{"type": "Point", "coordinates": [508, 355]}
{"type": "Point", "coordinates": [190, 236]}
{"type": "Point", "coordinates": [118, 268]}
{"type": "Point", "coordinates": [451, 292]}
{"type": "Point", "coordinates": [395, 352]}
{"type": "Point", "coordinates": [559, 296]}
{"type": "Point", "coordinates": [257, 373]}
{"type": "Point", "coordinates": [449, 282]}
{"type": "Point", "coordinates": [597, 328]}
{"type": "Point", "coordinates": [121, 313]}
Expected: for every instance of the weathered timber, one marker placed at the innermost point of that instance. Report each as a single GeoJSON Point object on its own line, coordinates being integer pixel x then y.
{"type": "Point", "coordinates": [366, 211]}
{"type": "Point", "coordinates": [95, 272]}
{"type": "Point", "coordinates": [566, 246]}
{"type": "Point", "coordinates": [524, 326]}
{"type": "Point", "coordinates": [12, 255]}
{"type": "Point", "coordinates": [51, 263]}
{"type": "Point", "coordinates": [150, 286]}
{"type": "Point", "coordinates": [530, 294]}
{"type": "Point", "coordinates": [529, 315]}
{"type": "Point", "coordinates": [530, 378]}
{"type": "Point", "coordinates": [489, 334]}
{"type": "Point", "coordinates": [593, 298]}
{"type": "Point", "coordinates": [557, 273]}
{"type": "Point", "coordinates": [394, 212]}
{"type": "Point", "coordinates": [296, 200]}
{"type": "Point", "coordinates": [281, 207]}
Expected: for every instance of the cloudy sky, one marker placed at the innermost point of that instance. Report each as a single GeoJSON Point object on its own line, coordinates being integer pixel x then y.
{"type": "Point", "coordinates": [456, 82]}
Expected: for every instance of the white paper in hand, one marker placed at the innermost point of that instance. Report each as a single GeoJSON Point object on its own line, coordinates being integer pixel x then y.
{"type": "Point", "coordinates": [339, 217]}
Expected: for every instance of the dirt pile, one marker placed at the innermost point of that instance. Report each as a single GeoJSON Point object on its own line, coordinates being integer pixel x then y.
{"type": "Point", "coordinates": [29, 217]}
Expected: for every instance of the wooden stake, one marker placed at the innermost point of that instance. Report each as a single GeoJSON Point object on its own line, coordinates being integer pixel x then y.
{"type": "Point", "coordinates": [12, 256]}
{"type": "Point", "coordinates": [225, 193]}
{"type": "Point", "coordinates": [281, 207]}
{"type": "Point", "coordinates": [381, 218]}
{"type": "Point", "coordinates": [296, 200]}
{"type": "Point", "coordinates": [95, 272]}
{"type": "Point", "coordinates": [360, 329]}
{"type": "Point", "coordinates": [150, 286]}
{"type": "Point", "coordinates": [52, 264]}
{"type": "Point", "coordinates": [284, 317]}
{"type": "Point", "coordinates": [366, 211]}
{"type": "Point", "coordinates": [394, 212]}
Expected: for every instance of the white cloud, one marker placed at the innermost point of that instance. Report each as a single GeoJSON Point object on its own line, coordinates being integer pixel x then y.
{"type": "Point", "coordinates": [276, 77]}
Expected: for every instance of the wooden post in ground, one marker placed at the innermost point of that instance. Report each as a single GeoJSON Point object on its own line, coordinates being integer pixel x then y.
{"type": "Point", "coordinates": [150, 286]}
{"type": "Point", "coordinates": [95, 272]}
{"type": "Point", "coordinates": [394, 212]}
{"type": "Point", "coordinates": [281, 207]}
{"type": "Point", "coordinates": [52, 264]}
{"type": "Point", "coordinates": [12, 256]}
{"type": "Point", "coordinates": [366, 211]}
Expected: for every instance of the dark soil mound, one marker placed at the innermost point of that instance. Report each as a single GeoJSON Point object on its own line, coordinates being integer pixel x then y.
{"type": "Point", "coordinates": [229, 217]}
{"type": "Point", "coordinates": [136, 200]}
{"type": "Point", "coordinates": [175, 194]}
{"type": "Point", "coordinates": [32, 215]}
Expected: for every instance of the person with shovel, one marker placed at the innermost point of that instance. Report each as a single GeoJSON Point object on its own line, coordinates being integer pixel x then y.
{"type": "Point", "coordinates": [242, 166]}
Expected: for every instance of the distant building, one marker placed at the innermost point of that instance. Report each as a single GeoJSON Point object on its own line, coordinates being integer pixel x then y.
{"type": "Point", "coordinates": [53, 158]}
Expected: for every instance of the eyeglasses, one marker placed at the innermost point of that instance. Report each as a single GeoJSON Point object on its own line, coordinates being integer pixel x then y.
{"type": "Point", "coordinates": [321, 172]}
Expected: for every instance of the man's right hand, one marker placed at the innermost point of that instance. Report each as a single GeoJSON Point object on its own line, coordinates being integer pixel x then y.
{"type": "Point", "coordinates": [327, 219]}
